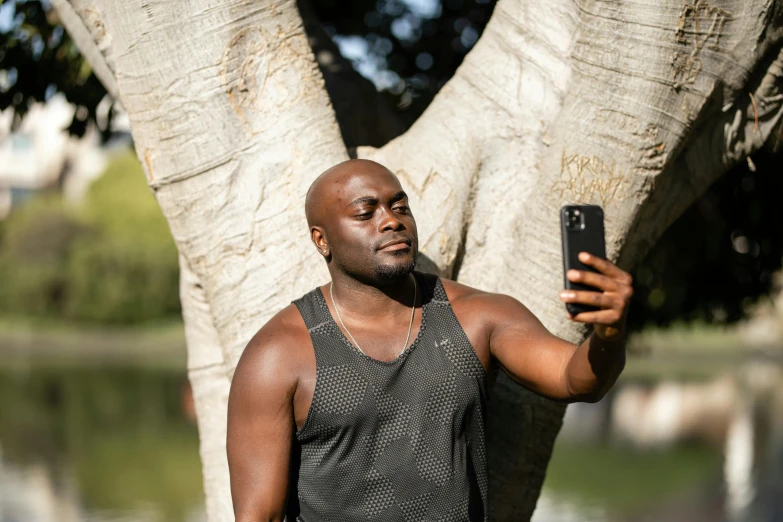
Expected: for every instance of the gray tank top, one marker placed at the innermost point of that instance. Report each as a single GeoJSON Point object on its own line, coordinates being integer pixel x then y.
{"type": "Point", "coordinates": [393, 441]}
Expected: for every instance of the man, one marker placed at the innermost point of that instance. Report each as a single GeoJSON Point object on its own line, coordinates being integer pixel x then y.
{"type": "Point", "coordinates": [380, 376]}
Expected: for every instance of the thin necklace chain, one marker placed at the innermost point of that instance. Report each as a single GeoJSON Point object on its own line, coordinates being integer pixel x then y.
{"type": "Point", "coordinates": [410, 324]}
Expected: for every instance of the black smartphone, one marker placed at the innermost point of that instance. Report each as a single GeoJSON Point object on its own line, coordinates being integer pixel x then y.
{"type": "Point", "coordinates": [582, 230]}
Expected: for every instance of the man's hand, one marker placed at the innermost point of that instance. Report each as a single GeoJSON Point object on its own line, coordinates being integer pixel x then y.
{"type": "Point", "coordinates": [612, 299]}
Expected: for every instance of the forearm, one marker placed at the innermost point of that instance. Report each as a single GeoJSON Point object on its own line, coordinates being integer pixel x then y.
{"type": "Point", "coordinates": [594, 367]}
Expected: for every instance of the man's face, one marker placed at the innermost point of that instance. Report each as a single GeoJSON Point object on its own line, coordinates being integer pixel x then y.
{"type": "Point", "coordinates": [371, 231]}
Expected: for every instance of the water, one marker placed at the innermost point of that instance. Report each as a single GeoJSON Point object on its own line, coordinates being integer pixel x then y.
{"type": "Point", "coordinates": [119, 443]}
{"type": "Point", "coordinates": [603, 483]}
{"type": "Point", "coordinates": [703, 450]}
{"type": "Point", "coordinates": [98, 444]}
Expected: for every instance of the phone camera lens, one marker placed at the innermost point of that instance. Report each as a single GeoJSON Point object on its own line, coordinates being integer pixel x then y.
{"type": "Point", "coordinates": [574, 219]}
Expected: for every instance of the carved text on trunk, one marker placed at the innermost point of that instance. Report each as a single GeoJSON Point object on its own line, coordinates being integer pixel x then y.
{"type": "Point", "coordinates": [699, 25]}
{"type": "Point", "coordinates": [586, 179]}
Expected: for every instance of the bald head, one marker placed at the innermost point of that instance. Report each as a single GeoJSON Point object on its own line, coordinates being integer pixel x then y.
{"type": "Point", "coordinates": [360, 222]}
{"type": "Point", "coordinates": [328, 188]}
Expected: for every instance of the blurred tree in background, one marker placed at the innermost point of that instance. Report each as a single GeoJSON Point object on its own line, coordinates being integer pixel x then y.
{"type": "Point", "coordinates": [409, 48]}
{"type": "Point", "coordinates": [399, 44]}
{"type": "Point", "coordinates": [38, 59]}
{"type": "Point", "coordinates": [718, 258]}
{"type": "Point", "coordinates": [111, 261]}
{"type": "Point", "coordinates": [713, 262]}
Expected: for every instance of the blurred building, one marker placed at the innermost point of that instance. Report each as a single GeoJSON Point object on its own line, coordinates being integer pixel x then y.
{"type": "Point", "coordinates": [40, 153]}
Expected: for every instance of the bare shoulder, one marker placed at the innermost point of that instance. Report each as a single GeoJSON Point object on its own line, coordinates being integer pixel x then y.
{"type": "Point", "coordinates": [487, 306]}
{"type": "Point", "coordinates": [457, 291]}
{"type": "Point", "coordinates": [275, 354]}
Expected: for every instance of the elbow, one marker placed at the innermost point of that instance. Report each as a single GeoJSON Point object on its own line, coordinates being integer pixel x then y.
{"type": "Point", "coordinates": [591, 398]}
{"type": "Point", "coordinates": [595, 395]}
{"type": "Point", "coordinates": [584, 396]}
{"type": "Point", "coordinates": [581, 392]}
{"type": "Point", "coordinates": [588, 392]}
{"type": "Point", "coordinates": [599, 388]}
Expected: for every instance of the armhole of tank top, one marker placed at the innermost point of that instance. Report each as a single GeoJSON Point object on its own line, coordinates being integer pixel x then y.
{"type": "Point", "coordinates": [461, 329]}
{"type": "Point", "coordinates": [312, 298]}
{"type": "Point", "coordinates": [306, 424]}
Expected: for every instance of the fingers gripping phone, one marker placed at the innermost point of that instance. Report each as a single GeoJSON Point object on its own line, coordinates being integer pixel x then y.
{"type": "Point", "coordinates": [582, 230]}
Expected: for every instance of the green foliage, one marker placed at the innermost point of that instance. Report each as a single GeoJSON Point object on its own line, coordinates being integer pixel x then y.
{"type": "Point", "coordinates": [35, 246]}
{"type": "Point", "coordinates": [127, 270]}
{"type": "Point", "coordinates": [111, 261]}
{"type": "Point", "coordinates": [38, 59]}
{"type": "Point", "coordinates": [418, 45]}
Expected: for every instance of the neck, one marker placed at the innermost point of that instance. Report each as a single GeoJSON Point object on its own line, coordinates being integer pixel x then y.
{"type": "Point", "coordinates": [370, 300]}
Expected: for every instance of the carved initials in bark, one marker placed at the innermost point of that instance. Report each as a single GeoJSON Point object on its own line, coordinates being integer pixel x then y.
{"type": "Point", "coordinates": [586, 179]}
{"type": "Point", "coordinates": [652, 157]}
{"type": "Point", "coordinates": [687, 66]}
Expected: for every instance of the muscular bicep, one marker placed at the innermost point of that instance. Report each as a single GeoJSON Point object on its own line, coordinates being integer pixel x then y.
{"type": "Point", "coordinates": [526, 350]}
{"type": "Point", "coordinates": [260, 431]}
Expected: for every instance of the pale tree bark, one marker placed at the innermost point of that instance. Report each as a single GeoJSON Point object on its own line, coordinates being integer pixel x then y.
{"type": "Point", "coordinates": [637, 106]}
{"type": "Point", "coordinates": [210, 382]}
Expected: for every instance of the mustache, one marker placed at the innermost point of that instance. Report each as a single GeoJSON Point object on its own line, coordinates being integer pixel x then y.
{"type": "Point", "coordinates": [399, 237]}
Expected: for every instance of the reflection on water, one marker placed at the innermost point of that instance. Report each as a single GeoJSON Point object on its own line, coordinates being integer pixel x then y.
{"type": "Point", "coordinates": [119, 444]}
{"type": "Point", "coordinates": [708, 451]}
{"type": "Point", "coordinates": [97, 444]}
{"type": "Point", "coordinates": [551, 507]}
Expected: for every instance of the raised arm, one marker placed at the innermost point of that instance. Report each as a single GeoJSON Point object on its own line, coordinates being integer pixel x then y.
{"type": "Point", "coordinates": [551, 366]}
{"type": "Point", "coordinates": [260, 427]}
{"type": "Point", "coordinates": [528, 352]}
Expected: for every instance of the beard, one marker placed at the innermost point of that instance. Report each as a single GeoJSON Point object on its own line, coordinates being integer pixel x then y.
{"type": "Point", "coordinates": [390, 272]}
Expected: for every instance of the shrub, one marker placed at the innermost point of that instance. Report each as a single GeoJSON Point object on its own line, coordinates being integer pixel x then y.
{"type": "Point", "coordinates": [37, 240]}
{"type": "Point", "coordinates": [111, 261]}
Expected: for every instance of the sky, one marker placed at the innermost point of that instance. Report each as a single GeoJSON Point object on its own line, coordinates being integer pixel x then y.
{"type": "Point", "coordinates": [371, 63]}
{"type": "Point", "coordinates": [6, 16]}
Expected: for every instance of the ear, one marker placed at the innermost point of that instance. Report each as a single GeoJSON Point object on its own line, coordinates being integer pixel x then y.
{"type": "Point", "coordinates": [319, 240]}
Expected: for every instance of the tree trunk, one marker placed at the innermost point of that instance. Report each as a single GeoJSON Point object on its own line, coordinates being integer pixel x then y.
{"type": "Point", "coordinates": [637, 106]}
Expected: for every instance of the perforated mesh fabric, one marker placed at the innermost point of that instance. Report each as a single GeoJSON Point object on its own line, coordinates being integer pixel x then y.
{"type": "Point", "coordinates": [394, 441]}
